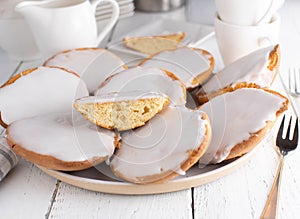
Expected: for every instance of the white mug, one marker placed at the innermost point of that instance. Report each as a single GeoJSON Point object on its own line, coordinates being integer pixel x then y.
{"type": "Point", "coordinates": [236, 41]}
{"type": "Point", "coordinates": [247, 12]}
{"type": "Point", "coordinates": [65, 24]}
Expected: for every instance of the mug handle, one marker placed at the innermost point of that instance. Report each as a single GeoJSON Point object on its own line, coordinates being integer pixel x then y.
{"type": "Point", "coordinates": [113, 19]}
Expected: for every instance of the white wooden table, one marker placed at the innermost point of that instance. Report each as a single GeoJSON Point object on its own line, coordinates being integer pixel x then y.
{"type": "Point", "coordinates": [27, 192]}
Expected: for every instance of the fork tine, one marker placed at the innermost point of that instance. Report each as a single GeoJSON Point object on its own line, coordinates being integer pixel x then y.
{"type": "Point", "coordinates": [296, 135]}
{"type": "Point", "coordinates": [289, 129]}
{"type": "Point", "coordinates": [280, 131]}
{"type": "Point", "coordinates": [297, 82]}
{"type": "Point", "coordinates": [293, 78]}
{"type": "Point", "coordinates": [294, 81]}
{"type": "Point", "coordinates": [290, 79]}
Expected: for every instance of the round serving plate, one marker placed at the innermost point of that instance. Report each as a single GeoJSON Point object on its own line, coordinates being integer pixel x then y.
{"type": "Point", "coordinates": [101, 179]}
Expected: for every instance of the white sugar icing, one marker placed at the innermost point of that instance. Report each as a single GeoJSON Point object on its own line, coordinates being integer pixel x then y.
{"type": "Point", "coordinates": [45, 90]}
{"type": "Point", "coordinates": [161, 145]}
{"type": "Point", "coordinates": [251, 69]}
{"type": "Point", "coordinates": [121, 96]}
{"type": "Point", "coordinates": [234, 116]}
{"type": "Point", "coordinates": [63, 137]}
{"type": "Point", "coordinates": [184, 62]}
{"type": "Point", "coordinates": [93, 65]}
{"type": "Point", "coordinates": [145, 79]}
{"type": "Point", "coordinates": [180, 172]}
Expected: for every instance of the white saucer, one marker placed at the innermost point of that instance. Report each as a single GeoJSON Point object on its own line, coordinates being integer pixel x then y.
{"type": "Point", "coordinates": [105, 6]}
{"type": "Point", "coordinates": [123, 10]}
{"type": "Point", "coordinates": [104, 11]}
{"type": "Point", "coordinates": [108, 16]}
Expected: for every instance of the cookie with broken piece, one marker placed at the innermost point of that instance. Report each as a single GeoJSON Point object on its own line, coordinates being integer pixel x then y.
{"type": "Point", "coordinates": [153, 44]}
{"type": "Point", "coordinates": [121, 110]}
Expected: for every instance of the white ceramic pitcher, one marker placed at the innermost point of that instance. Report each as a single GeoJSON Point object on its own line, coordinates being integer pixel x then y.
{"type": "Point", "coordinates": [64, 24]}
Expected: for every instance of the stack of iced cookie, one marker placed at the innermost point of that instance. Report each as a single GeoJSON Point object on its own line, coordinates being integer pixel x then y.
{"type": "Point", "coordinates": [85, 106]}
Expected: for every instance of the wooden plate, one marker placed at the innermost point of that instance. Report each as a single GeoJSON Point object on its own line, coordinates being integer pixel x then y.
{"type": "Point", "coordinates": [101, 179]}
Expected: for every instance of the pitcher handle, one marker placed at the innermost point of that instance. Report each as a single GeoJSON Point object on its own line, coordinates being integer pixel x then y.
{"type": "Point", "coordinates": [112, 21]}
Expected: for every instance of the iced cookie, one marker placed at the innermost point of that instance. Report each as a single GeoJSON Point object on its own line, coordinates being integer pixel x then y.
{"type": "Point", "coordinates": [61, 141]}
{"type": "Point", "coordinates": [167, 146]}
{"type": "Point", "coordinates": [145, 79]}
{"type": "Point", "coordinates": [121, 111]}
{"type": "Point", "coordinates": [92, 64]}
{"type": "Point", "coordinates": [153, 44]}
{"type": "Point", "coordinates": [191, 65]}
{"type": "Point", "coordinates": [39, 91]}
{"type": "Point", "coordinates": [259, 67]}
{"type": "Point", "coordinates": [240, 119]}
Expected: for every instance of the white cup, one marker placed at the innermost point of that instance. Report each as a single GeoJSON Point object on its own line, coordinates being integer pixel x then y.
{"type": "Point", "coordinates": [247, 12]}
{"type": "Point", "coordinates": [236, 41]}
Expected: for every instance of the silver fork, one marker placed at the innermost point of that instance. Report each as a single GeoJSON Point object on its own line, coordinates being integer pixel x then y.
{"type": "Point", "coordinates": [284, 145]}
{"type": "Point", "coordinates": [294, 81]}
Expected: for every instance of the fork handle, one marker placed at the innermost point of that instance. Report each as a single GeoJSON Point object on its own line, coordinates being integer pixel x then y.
{"type": "Point", "coordinates": [270, 209]}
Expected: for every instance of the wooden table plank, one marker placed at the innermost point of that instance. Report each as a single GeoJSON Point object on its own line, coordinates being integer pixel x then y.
{"type": "Point", "coordinates": [7, 67]}
{"type": "Point", "coordinates": [239, 194]}
{"type": "Point", "coordinates": [26, 192]}
{"type": "Point", "coordinates": [73, 202]}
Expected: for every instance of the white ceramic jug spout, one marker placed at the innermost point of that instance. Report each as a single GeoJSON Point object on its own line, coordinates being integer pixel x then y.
{"type": "Point", "coordinates": [65, 24]}
{"type": "Point", "coordinates": [27, 4]}
{"type": "Point", "coordinates": [29, 9]}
